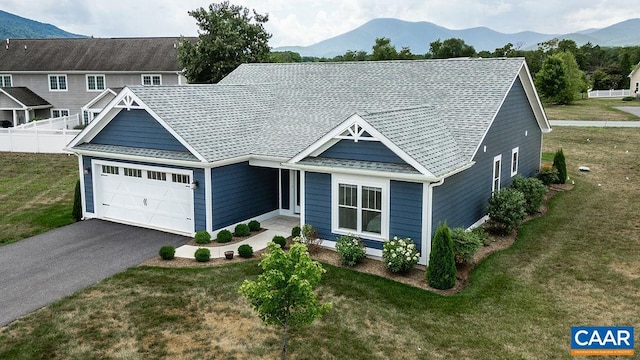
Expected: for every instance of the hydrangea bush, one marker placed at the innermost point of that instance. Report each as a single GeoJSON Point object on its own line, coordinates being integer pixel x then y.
{"type": "Point", "coordinates": [350, 249]}
{"type": "Point", "coordinates": [400, 255]}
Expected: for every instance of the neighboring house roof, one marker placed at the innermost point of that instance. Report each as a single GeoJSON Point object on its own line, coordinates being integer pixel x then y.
{"type": "Point", "coordinates": [157, 54]}
{"type": "Point", "coordinates": [437, 112]}
{"type": "Point", "coordinates": [25, 96]}
{"type": "Point", "coordinates": [634, 70]}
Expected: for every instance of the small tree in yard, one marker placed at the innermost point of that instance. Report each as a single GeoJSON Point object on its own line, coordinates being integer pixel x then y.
{"type": "Point", "coordinates": [441, 273]}
{"type": "Point", "coordinates": [283, 295]}
{"type": "Point", "coordinates": [77, 203]}
{"type": "Point", "coordinates": [560, 164]}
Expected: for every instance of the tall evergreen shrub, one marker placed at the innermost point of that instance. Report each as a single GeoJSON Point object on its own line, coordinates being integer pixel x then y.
{"type": "Point", "coordinates": [441, 273]}
{"type": "Point", "coordinates": [560, 164]}
{"type": "Point", "coordinates": [76, 212]}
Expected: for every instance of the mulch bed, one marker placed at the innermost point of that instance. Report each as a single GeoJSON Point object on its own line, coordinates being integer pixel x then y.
{"type": "Point", "coordinates": [415, 277]}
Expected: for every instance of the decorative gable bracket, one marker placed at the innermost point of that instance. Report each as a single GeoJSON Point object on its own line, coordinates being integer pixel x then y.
{"type": "Point", "coordinates": [356, 133]}
{"type": "Point", "coordinates": [128, 102]}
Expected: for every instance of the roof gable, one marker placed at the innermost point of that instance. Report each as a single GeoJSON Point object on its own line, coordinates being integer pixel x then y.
{"type": "Point", "coordinates": [24, 97]}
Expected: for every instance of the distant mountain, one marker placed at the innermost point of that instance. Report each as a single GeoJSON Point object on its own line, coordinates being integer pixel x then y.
{"type": "Point", "coordinates": [16, 27]}
{"type": "Point", "coordinates": [418, 35]}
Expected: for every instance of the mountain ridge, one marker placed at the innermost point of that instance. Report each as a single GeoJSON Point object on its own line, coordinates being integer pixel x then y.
{"type": "Point", "coordinates": [17, 27]}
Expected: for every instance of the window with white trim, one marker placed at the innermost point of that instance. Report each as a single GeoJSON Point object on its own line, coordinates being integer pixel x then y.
{"type": "Point", "coordinates": [156, 175]}
{"type": "Point", "coordinates": [57, 82]}
{"type": "Point", "coordinates": [360, 207]}
{"type": "Point", "coordinates": [497, 165]}
{"type": "Point", "coordinates": [151, 79]}
{"type": "Point", "coordinates": [108, 169]}
{"type": "Point", "coordinates": [56, 113]}
{"type": "Point", "coordinates": [5, 80]}
{"type": "Point", "coordinates": [95, 82]}
{"type": "Point", "coordinates": [133, 172]}
{"type": "Point", "coordinates": [180, 178]}
{"type": "Point", "coordinates": [514, 161]}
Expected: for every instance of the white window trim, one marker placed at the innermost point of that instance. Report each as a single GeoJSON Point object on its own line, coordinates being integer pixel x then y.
{"type": "Point", "coordinates": [360, 181]}
{"type": "Point", "coordinates": [59, 110]}
{"type": "Point", "coordinates": [515, 164]}
{"type": "Point", "coordinates": [66, 81]}
{"type": "Point", "coordinates": [2, 76]}
{"type": "Point", "coordinates": [496, 159]}
{"type": "Point", "coordinates": [152, 76]}
{"type": "Point", "coordinates": [104, 82]}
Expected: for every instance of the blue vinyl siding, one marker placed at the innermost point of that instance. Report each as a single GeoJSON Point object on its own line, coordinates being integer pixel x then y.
{"type": "Point", "coordinates": [362, 150]}
{"type": "Point", "coordinates": [241, 191]}
{"type": "Point", "coordinates": [463, 198]}
{"type": "Point", "coordinates": [136, 128]}
{"type": "Point", "coordinates": [88, 185]}
{"type": "Point", "coordinates": [405, 217]}
{"type": "Point", "coordinates": [317, 199]}
{"type": "Point", "coordinates": [284, 189]}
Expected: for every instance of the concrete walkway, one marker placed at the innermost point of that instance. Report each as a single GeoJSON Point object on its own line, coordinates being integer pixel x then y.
{"type": "Point", "coordinates": [618, 124]}
{"type": "Point", "coordinates": [279, 225]}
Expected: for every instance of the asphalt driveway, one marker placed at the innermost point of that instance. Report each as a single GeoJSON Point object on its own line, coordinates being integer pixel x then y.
{"type": "Point", "coordinates": [36, 271]}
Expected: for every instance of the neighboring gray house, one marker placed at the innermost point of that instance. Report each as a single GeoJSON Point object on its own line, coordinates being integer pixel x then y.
{"type": "Point", "coordinates": [376, 149]}
{"type": "Point", "coordinates": [69, 73]}
{"type": "Point", "coordinates": [19, 103]}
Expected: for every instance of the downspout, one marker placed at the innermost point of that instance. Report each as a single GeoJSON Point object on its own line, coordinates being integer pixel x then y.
{"type": "Point", "coordinates": [427, 215]}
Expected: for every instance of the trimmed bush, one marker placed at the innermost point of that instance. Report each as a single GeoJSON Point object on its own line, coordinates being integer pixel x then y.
{"type": "Point", "coordinates": [441, 273]}
{"type": "Point", "coordinates": [202, 237]}
{"type": "Point", "coordinates": [280, 240]}
{"type": "Point", "coordinates": [628, 98]}
{"type": "Point", "coordinates": [560, 164]}
{"type": "Point", "coordinates": [254, 225]}
{"type": "Point", "coordinates": [76, 212]}
{"type": "Point", "coordinates": [224, 236]}
{"type": "Point", "coordinates": [533, 191]}
{"type": "Point", "coordinates": [203, 255]}
{"type": "Point", "coordinates": [506, 210]}
{"type": "Point", "coordinates": [245, 251]}
{"type": "Point", "coordinates": [350, 249]}
{"type": "Point", "coordinates": [400, 255]}
{"type": "Point", "coordinates": [295, 232]}
{"type": "Point", "coordinates": [548, 175]}
{"type": "Point", "coordinates": [242, 230]}
{"type": "Point", "coordinates": [167, 252]}
{"type": "Point", "coordinates": [465, 244]}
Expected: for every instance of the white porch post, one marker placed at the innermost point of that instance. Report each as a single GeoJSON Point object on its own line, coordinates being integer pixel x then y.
{"type": "Point", "coordinates": [208, 199]}
{"type": "Point", "coordinates": [15, 117]}
{"type": "Point", "coordinates": [302, 198]}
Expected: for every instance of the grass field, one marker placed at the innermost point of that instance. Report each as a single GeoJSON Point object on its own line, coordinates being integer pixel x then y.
{"type": "Point", "coordinates": [578, 265]}
{"type": "Point", "coordinates": [591, 109]}
{"type": "Point", "coordinates": [36, 193]}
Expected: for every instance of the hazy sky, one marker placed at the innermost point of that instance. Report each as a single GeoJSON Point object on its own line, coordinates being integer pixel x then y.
{"type": "Point", "coordinates": [299, 22]}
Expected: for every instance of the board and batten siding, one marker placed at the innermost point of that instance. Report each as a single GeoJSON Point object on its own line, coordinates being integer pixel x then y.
{"type": "Point", "coordinates": [136, 128]}
{"type": "Point", "coordinates": [362, 150]}
{"type": "Point", "coordinates": [199, 203]}
{"type": "Point", "coordinates": [463, 198]}
{"type": "Point", "coordinates": [241, 192]}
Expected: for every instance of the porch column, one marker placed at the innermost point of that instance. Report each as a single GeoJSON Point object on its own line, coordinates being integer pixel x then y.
{"type": "Point", "coordinates": [15, 117]}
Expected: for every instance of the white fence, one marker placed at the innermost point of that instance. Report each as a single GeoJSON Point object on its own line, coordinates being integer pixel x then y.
{"type": "Point", "coordinates": [42, 136]}
{"type": "Point", "coordinates": [609, 93]}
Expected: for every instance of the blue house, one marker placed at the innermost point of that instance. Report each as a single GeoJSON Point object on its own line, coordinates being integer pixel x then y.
{"type": "Point", "coordinates": [376, 149]}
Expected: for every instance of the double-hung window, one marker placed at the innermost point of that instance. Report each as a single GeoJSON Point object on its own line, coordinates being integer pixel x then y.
{"type": "Point", "coordinates": [151, 79]}
{"type": "Point", "coordinates": [497, 169]}
{"type": "Point", "coordinates": [5, 80]}
{"type": "Point", "coordinates": [57, 82]}
{"type": "Point", "coordinates": [514, 161]}
{"type": "Point", "coordinates": [95, 82]}
{"type": "Point", "coordinates": [56, 113]}
{"type": "Point", "coordinates": [360, 207]}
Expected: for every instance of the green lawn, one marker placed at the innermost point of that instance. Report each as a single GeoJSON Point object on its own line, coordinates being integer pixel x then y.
{"type": "Point", "coordinates": [591, 109]}
{"type": "Point", "coordinates": [578, 265]}
{"type": "Point", "coordinates": [36, 193]}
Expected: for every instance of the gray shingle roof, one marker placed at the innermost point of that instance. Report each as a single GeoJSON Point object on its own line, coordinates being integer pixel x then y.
{"type": "Point", "coordinates": [26, 96]}
{"type": "Point", "coordinates": [437, 111]}
{"type": "Point", "coordinates": [360, 165]}
{"type": "Point", "coordinates": [90, 54]}
{"type": "Point", "coordinates": [143, 152]}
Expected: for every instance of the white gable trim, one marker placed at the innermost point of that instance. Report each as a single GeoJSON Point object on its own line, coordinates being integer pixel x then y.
{"type": "Point", "coordinates": [23, 106]}
{"type": "Point", "coordinates": [126, 99]}
{"type": "Point", "coordinates": [98, 98]}
{"type": "Point", "coordinates": [335, 135]}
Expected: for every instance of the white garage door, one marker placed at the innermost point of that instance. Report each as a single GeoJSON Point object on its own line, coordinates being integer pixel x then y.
{"type": "Point", "coordinates": [158, 198]}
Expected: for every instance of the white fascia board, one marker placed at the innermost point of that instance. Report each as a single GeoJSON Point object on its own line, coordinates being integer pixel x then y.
{"type": "Point", "coordinates": [326, 138]}
{"type": "Point", "coordinates": [98, 98]}
{"type": "Point", "coordinates": [184, 163]}
{"type": "Point", "coordinates": [534, 99]}
{"type": "Point", "coordinates": [268, 162]}
{"type": "Point", "coordinates": [381, 174]}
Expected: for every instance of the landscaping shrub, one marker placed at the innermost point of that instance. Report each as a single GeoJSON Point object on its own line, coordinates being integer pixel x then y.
{"type": "Point", "coordinates": [280, 240]}
{"type": "Point", "coordinates": [295, 232]}
{"type": "Point", "coordinates": [560, 164]}
{"type": "Point", "coordinates": [628, 98]}
{"type": "Point", "coordinates": [202, 237]}
{"type": "Point", "coordinates": [441, 273]}
{"type": "Point", "coordinates": [242, 230]}
{"type": "Point", "coordinates": [533, 191]}
{"type": "Point", "coordinates": [350, 249]}
{"type": "Point", "coordinates": [167, 252]}
{"type": "Point", "coordinates": [465, 244]}
{"type": "Point", "coordinates": [245, 251]}
{"type": "Point", "coordinates": [203, 255]}
{"type": "Point", "coordinates": [309, 237]}
{"type": "Point", "coordinates": [506, 210]}
{"type": "Point", "coordinates": [76, 212]}
{"type": "Point", "coordinates": [548, 175]}
{"type": "Point", "coordinates": [482, 235]}
{"type": "Point", "coordinates": [400, 255]}
{"type": "Point", "coordinates": [224, 236]}
{"type": "Point", "coordinates": [254, 225]}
